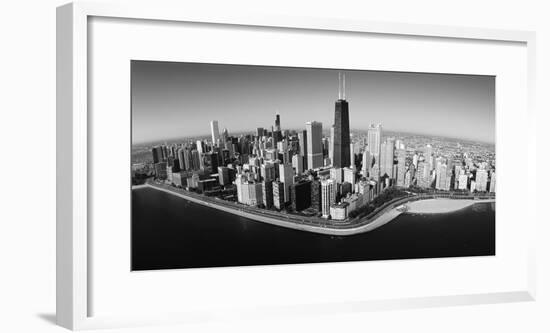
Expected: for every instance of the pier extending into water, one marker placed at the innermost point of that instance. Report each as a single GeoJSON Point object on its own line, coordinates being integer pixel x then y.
{"type": "Point", "coordinates": [379, 217]}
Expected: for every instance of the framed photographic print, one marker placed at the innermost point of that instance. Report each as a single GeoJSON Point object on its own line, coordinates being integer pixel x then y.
{"type": "Point", "coordinates": [215, 165]}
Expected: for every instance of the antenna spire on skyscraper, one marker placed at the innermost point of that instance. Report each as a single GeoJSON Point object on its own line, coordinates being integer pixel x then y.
{"type": "Point", "coordinates": [341, 155]}
{"type": "Point", "coordinates": [344, 86]}
{"type": "Point", "coordinates": [339, 85]}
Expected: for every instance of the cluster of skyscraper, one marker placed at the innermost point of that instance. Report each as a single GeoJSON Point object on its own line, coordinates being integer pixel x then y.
{"type": "Point", "coordinates": [305, 171]}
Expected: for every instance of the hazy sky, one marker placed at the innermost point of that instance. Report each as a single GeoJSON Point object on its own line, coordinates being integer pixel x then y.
{"type": "Point", "coordinates": [171, 100]}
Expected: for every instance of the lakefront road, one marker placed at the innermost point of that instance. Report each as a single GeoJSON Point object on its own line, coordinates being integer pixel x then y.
{"type": "Point", "coordinates": [382, 215]}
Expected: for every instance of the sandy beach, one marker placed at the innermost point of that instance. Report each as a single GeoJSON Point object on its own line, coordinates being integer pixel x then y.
{"type": "Point", "coordinates": [437, 206]}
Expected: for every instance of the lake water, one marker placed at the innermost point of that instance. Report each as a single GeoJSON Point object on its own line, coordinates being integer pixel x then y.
{"type": "Point", "coordinates": [171, 232]}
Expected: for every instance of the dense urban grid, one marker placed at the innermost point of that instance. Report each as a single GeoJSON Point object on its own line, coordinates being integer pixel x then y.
{"type": "Point", "coordinates": [334, 174]}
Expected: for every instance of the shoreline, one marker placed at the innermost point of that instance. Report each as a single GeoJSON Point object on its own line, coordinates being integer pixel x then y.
{"type": "Point", "coordinates": [279, 219]}
{"type": "Point", "coordinates": [377, 222]}
{"type": "Point", "coordinates": [441, 205]}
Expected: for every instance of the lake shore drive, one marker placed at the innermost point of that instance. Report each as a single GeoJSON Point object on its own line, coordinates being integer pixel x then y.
{"type": "Point", "coordinates": [425, 206]}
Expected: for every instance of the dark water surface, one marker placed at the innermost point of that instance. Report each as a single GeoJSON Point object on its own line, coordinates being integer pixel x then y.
{"type": "Point", "coordinates": [171, 232]}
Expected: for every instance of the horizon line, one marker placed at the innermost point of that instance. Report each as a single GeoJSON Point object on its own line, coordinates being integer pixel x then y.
{"type": "Point", "coordinates": [324, 129]}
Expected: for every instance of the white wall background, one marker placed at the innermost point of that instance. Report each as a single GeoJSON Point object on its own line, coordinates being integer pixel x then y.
{"type": "Point", "coordinates": [27, 166]}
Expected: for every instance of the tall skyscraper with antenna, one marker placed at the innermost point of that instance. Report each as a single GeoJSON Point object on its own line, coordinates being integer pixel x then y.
{"type": "Point", "coordinates": [341, 142]}
{"type": "Point", "coordinates": [277, 122]}
{"type": "Point", "coordinates": [277, 136]}
{"type": "Point", "coordinates": [215, 132]}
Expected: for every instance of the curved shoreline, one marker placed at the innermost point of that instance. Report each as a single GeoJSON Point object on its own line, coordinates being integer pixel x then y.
{"type": "Point", "coordinates": [441, 206]}
{"type": "Point", "coordinates": [381, 219]}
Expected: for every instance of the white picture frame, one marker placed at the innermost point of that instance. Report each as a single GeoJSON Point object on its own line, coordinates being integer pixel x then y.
{"type": "Point", "coordinates": [73, 236]}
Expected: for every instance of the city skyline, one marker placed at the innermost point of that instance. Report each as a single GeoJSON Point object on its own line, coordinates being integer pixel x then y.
{"type": "Point", "coordinates": [337, 184]}
{"type": "Point", "coordinates": [163, 93]}
{"type": "Point", "coordinates": [279, 168]}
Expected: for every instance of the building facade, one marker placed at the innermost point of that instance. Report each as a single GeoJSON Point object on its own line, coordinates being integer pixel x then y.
{"type": "Point", "coordinates": [328, 196]}
{"type": "Point", "coordinates": [314, 144]}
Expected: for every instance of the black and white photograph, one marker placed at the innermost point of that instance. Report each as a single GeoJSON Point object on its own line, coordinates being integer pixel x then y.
{"type": "Point", "coordinates": [238, 165]}
{"type": "Point", "coordinates": [265, 167]}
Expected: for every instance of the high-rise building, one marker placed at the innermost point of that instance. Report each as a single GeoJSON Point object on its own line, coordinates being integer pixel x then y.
{"type": "Point", "coordinates": [225, 136]}
{"type": "Point", "coordinates": [326, 146]}
{"type": "Point", "coordinates": [215, 132]}
{"type": "Point", "coordinates": [286, 176]}
{"type": "Point", "coordinates": [277, 122]}
{"type": "Point", "coordinates": [259, 132]}
{"type": "Point", "coordinates": [196, 159]}
{"type": "Point", "coordinates": [173, 151]}
{"type": "Point", "coordinates": [341, 141]}
{"type": "Point", "coordinates": [302, 143]}
{"type": "Point", "coordinates": [481, 180]}
{"type": "Point", "coordinates": [386, 158]}
{"type": "Point", "coordinates": [254, 160]}
{"type": "Point", "coordinates": [463, 182]}
{"type": "Point", "coordinates": [408, 178]}
{"type": "Point", "coordinates": [314, 144]}
{"type": "Point", "coordinates": [428, 158]}
{"type": "Point", "coordinates": [278, 194]}
{"type": "Point", "coordinates": [316, 194]}
{"type": "Point", "coordinates": [331, 144]}
{"type": "Point", "coordinates": [201, 147]}
{"type": "Point", "coordinates": [363, 186]}
{"type": "Point", "coordinates": [179, 179]}
{"type": "Point", "coordinates": [282, 146]}
{"type": "Point", "coordinates": [181, 158]}
{"type": "Point", "coordinates": [298, 164]}
{"type": "Point", "coordinates": [328, 196]}
{"type": "Point", "coordinates": [366, 163]}
{"type": "Point", "coordinates": [415, 160]}
{"type": "Point", "coordinates": [248, 192]}
{"type": "Point", "coordinates": [175, 166]}
{"type": "Point", "coordinates": [441, 176]}
{"type": "Point", "coordinates": [374, 135]}
{"type": "Point", "coordinates": [300, 195]}
{"type": "Point", "coordinates": [450, 176]}
{"type": "Point", "coordinates": [267, 192]}
{"type": "Point", "coordinates": [401, 169]}
{"type": "Point", "coordinates": [223, 176]}
{"type": "Point", "coordinates": [160, 170]}
{"type": "Point", "coordinates": [164, 152]}
{"type": "Point", "coordinates": [188, 159]}
{"type": "Point", "coordinates": [251, 193]}
{"type": "Point", "coordinates": [345, 189]}
{"type": "Point", "coordinates": [267, 171]}
{"type": "Point", "coordinates": [412, 169]}
{"type": "Point", "coordinates": [285, 152]}
{"type": "Point", "coordinates": [349, 176]}
{"type": "Point", "coordinates": [157, 154]}
{"type": "Point", "coordinates": [225, 157]}
{"type": "Point", "coordinates": [193, 180]}
{"type": "Point", "coordinates": [276, 132]}
{"type": "Point", "coordinates": [337, 174]}
{"type": "Point", "coordinates": [239, 178]}
{"type": "Point", "coordinates": [271, 154]}
{"type": "Point", "coordinates": [211, 162]}
{"type": "Point", "coordinates": [492, 186]}
{"type": "Point", "coordinates": [423, 176]}
{"type": "Point", "coordinates": [352, 155]}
